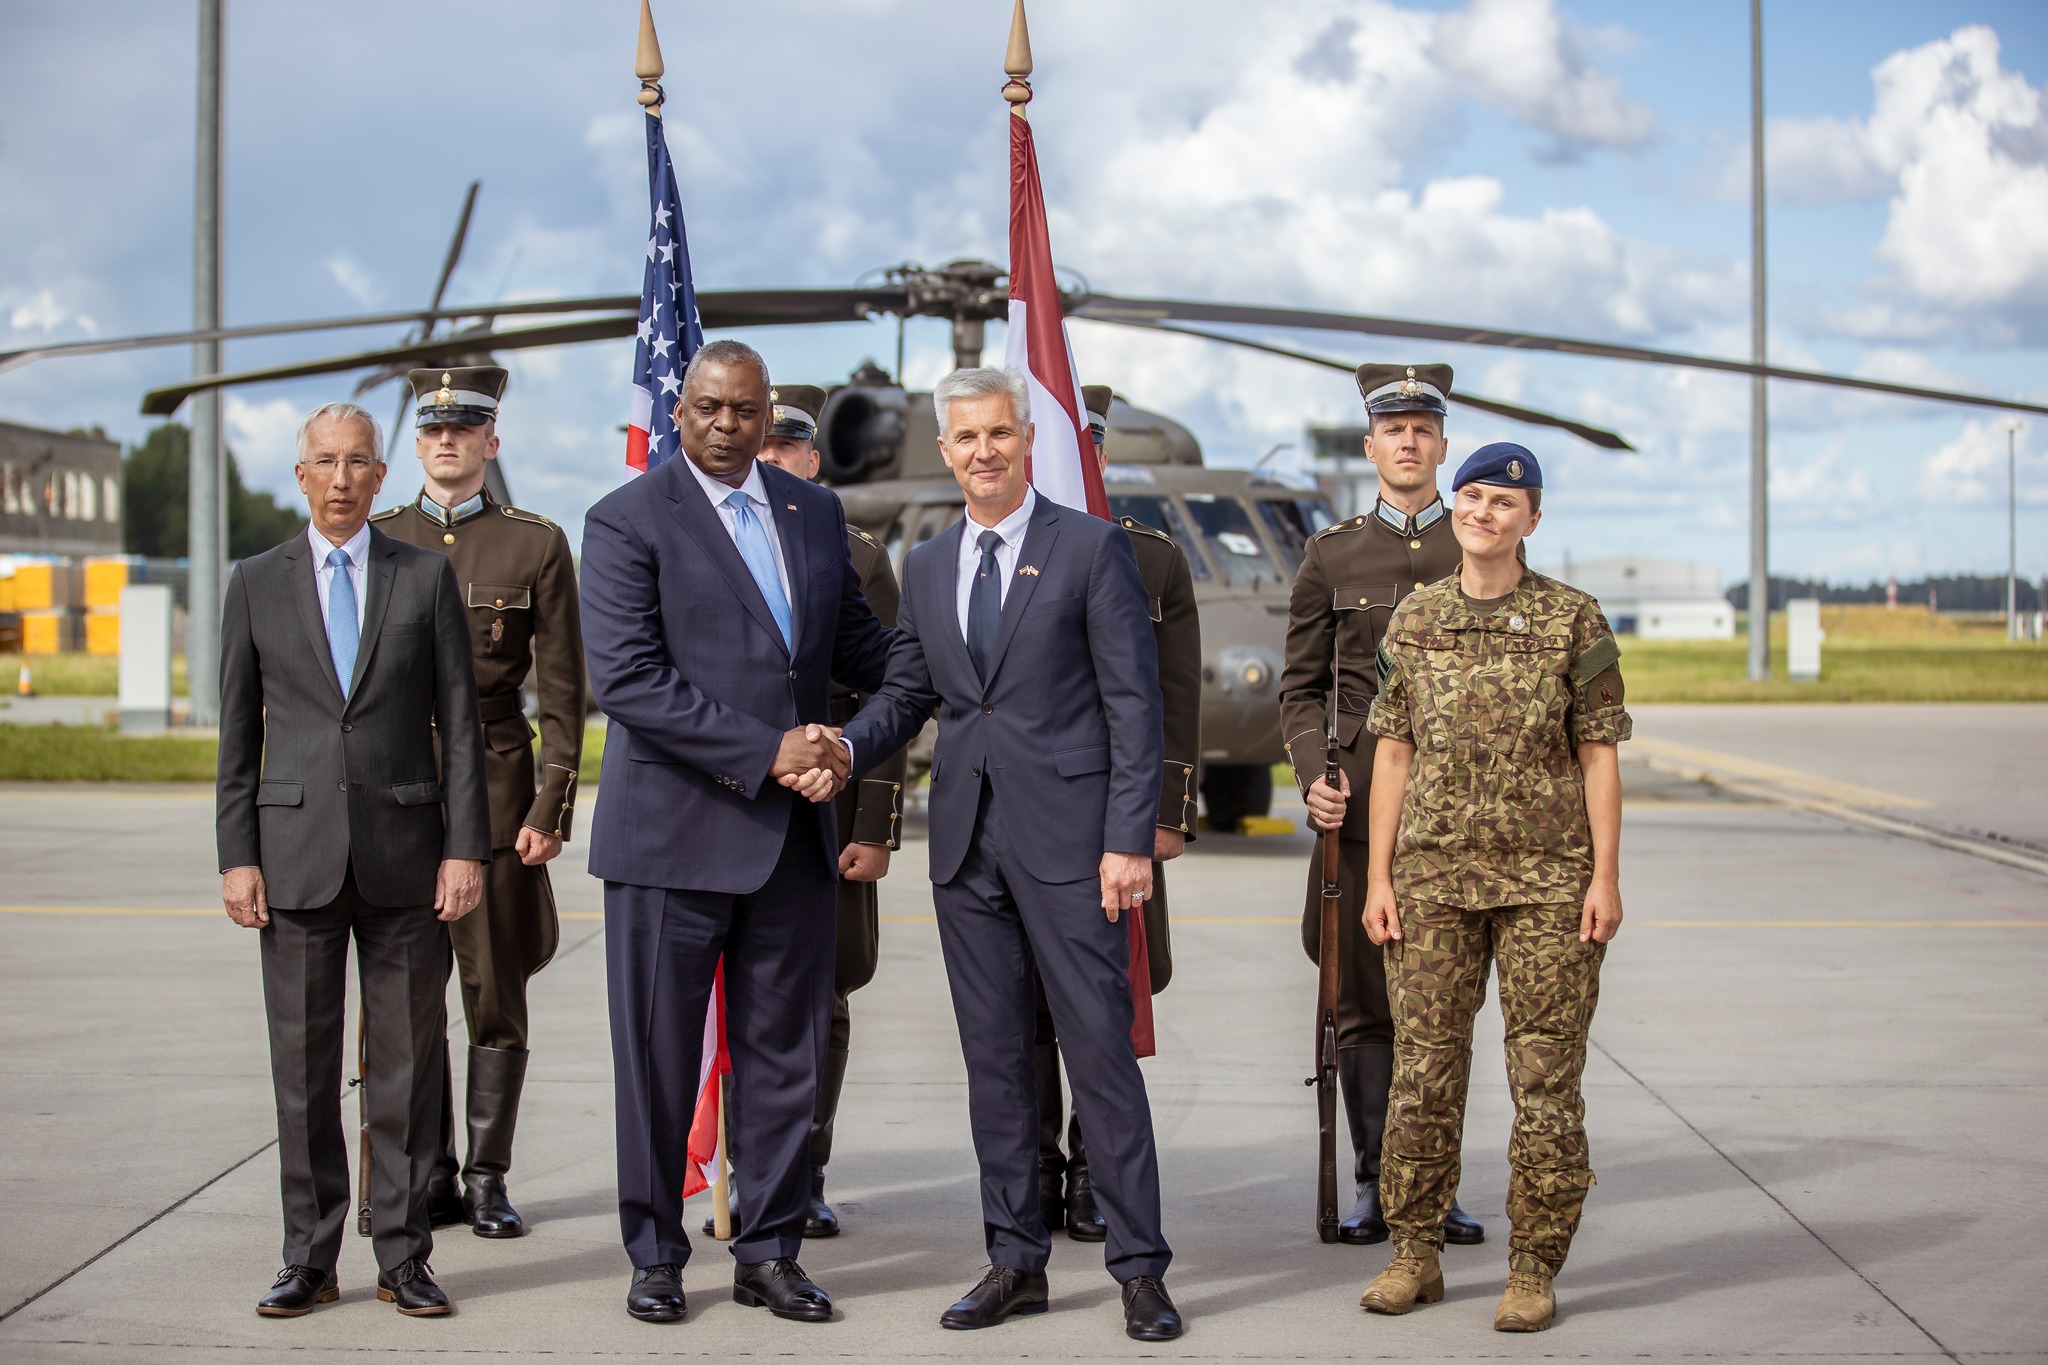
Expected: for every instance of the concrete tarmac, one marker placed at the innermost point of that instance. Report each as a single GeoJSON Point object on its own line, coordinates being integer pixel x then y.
{"type": "Point", "coordinates": [1816, 1103]}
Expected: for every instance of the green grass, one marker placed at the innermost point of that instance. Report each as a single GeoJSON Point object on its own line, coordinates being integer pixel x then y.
{"type": "Point", "coordinates": [1964, 667]}
{"type": "Point", "coordinates": [75, 753]}
{"type": "Point", "coordinates": [77, 675]}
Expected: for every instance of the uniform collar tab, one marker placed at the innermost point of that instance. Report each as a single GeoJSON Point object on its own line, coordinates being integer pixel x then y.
{"type": "Point", "coordinates": [449, 516]}
{"type": "Point", "coordinates": [1400, 521]}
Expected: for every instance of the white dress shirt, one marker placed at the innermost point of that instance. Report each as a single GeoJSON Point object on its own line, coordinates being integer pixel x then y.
{"type": "Point", "coordinates": [1011, 529]}
{"type": "Point", "coordinates": [764, 512]}
{"type": "Point", "coordinates": [357, 547]}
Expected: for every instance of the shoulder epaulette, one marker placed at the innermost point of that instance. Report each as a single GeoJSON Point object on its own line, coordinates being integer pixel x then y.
{"type": "Point", "coordinates": [853, 530]}
{"type": "Point", "coordinates": [533, 518]}
{"type": "Point", "coordinates": [389, 512]}
{"type": "Point", "coordinates": [1348, 524]}
{"type": "Point", "coordinates": [1143, 528]}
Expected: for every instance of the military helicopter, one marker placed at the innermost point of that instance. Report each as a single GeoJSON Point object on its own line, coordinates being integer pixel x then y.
{"type": "Point", "coordinates": [1243, 531]}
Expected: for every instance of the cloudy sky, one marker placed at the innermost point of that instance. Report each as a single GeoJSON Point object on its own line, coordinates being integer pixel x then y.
{"type": "Point", "coordinates": [1573, 166]}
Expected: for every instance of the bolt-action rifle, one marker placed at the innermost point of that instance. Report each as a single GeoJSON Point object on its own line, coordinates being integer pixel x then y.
{"type": "Point", "coordinates": [1325, 1077]}
{"type": "Point", "coordinates": [361, 1087]}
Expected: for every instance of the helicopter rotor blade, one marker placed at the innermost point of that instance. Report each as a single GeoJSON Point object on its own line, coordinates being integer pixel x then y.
{"type": "Point", "coordinates": [1606, 440]}
{"type": "Point", "coordinates": [454, 250]}
{"type": "Point", "coordinates": [1110, 308]}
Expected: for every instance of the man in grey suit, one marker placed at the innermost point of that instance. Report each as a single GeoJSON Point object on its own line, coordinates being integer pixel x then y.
{"type": "Point", "coordinates": [1028, 626]}
{"type": "Point", "coordinates": [344, 659]}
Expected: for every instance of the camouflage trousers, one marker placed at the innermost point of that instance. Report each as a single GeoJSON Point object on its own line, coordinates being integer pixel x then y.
{"type": "Point", "coordinates": [1436, 981]}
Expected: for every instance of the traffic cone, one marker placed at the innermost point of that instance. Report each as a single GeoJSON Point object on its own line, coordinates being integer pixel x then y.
{"type": "Point", "coordinates": [25, 685]}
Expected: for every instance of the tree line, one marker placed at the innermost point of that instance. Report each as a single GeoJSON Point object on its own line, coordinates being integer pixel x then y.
{"type": "Point", "coordinates": [155, 477]}
{"type": "Point", "coordinates": [1953, 592]}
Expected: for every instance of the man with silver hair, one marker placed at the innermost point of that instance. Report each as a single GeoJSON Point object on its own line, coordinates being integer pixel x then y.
{"type": "Point", "coordinates": [1026, 624]}
{"type": "Point", "coordinates": [344, 657]}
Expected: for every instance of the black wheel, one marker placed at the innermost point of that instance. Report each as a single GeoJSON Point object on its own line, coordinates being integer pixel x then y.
{"type": "Point", "coordinates": [1230, 792]}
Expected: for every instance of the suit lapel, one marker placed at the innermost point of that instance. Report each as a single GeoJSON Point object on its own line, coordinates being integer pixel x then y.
{"type": "Point", "coordinates": [946, 550]}
{"type": "Point", "coordinates": [305, 594]}
{"type": "Point", "coordinates": [789, 528]}
{"type": "Point", "coordinates": [1037, 551]}
{"type": "Point", "coordinates": [702, 521]}
{"type": "Point", "coordinates": [380, 554]}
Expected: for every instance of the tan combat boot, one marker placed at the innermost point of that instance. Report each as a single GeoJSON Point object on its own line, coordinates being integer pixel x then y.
{"type": "Point", "coordinates": [1528, 1305]}
{"type": "Point", "coordinates": [1413, 1277]}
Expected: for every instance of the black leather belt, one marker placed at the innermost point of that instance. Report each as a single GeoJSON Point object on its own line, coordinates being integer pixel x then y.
{"type": "Point", "coordinates": [504, 706]}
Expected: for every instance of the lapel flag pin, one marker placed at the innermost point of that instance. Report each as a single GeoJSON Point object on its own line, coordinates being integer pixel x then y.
{"type": "Point", "coordinates": [1027, 569]}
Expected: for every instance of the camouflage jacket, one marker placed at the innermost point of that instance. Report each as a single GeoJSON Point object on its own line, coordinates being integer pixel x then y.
{"type": "Point", "coordinates": [1496, 699]}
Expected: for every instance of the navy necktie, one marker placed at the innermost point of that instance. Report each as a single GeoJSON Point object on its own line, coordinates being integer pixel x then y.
{"type": "Point", "coordinates": [985, 606]}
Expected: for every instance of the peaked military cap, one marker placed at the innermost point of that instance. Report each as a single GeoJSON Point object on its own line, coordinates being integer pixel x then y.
{"type": "Point", "coordinates": [794, 410]}
{"type": "Point", "coordinates": [466, 395]}
{"type": "Point", "coordinates": [1502, 464]}
{"type": "Point", "coordinates": [1404, 388]}
{"type": "Point", "coordinates": [1095, 398]}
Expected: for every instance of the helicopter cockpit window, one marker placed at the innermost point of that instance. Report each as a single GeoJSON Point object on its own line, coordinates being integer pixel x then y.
{"type": "Point", "coordinates": [1292, 521]}
{"type": "Point", "coordinates": [1233, 541]}
{"type": "Point", "coordinates": [1161, 515]}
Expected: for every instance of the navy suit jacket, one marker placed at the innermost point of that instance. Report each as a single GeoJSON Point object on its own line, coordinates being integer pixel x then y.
{"type": "Point", "coordinates": [1067, 728]}
{"type": "Point", "coordinates": [686, 661]}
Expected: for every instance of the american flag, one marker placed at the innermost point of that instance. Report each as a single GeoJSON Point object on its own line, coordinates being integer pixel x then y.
{"type": "Point", "coordinates": [670, 331]}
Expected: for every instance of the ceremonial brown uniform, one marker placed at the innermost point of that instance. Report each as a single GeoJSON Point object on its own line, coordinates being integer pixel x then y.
{"type": "Point", "coordinates": [518, 581]}
{"type": "Point", "coordinates": [870, 812]}
{"type": "Point", "coordinates": [1177, 635]}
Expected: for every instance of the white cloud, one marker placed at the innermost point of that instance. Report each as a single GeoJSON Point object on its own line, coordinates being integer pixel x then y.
{"type": "Point", "coordinates": [43, 313]}
{"type": "Point", "coordinates": [352, 278]}
{"type": "Point", "coordinates": [1970, 470]}
{"type": "Point", "coordinates": [263, 433]}
{"type": "Point", "coordinates": [1960, 144]}
{"type": "Point", "coordinates": [1526, 56]}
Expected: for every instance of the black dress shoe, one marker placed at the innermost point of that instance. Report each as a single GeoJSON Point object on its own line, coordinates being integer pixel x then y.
{"type": "Point", "coordinates": [298, 1288]}
{"type": "Point", "coordinates": [821, 1221]}
{"type": "Point", "coordinates": [1149, 1315]}
{"type": "Point", "coordinates": [444, 1205]}
{"type": "Point", "coordinates": [410, 1285]}
{"type": "Point", "coordinates": [1364, 1225]}
{"type": "Point", "coordinates": [656, 1294]}
{"type": "Point", "coordinates": [1003, 1292]}
{"type": "Point", "coordinates": [782, 1288]}
{"type": "Point", "coordinates": [488, 1210]}
{"type": "Point", "coordinates": [1461, 1228]}
{"type": "Point", "coordinates": [1084, 1220]}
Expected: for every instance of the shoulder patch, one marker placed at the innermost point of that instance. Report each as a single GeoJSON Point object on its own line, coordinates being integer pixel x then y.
{"type": "Point", "coordinates": [1600, 656]}
{"type": "Point", "coordinates": [533, 518]}
{"type": "Point", "coordinates": [388, 512]}
{"type": "Point", "coordinates": [1139, 528]}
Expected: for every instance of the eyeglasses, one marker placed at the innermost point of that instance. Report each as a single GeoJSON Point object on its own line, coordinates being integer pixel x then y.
{"type": "Point", "coordinates": [356, 465]}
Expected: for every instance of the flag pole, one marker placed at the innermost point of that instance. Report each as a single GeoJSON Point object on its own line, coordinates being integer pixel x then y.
{"type": "Point", "coordinates": [647, 63]}
{"type": "Point", "coordinates": [1017, 63]}
{"type": "Point", "coordinates": [721, 1186]}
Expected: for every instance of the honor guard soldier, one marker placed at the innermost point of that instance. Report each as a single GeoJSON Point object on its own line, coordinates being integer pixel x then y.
{"type": "Point", "coordinates": [1063, 1186]}
{"type": "Point", "coordinates": [870, 811]}
{"type": "Point", "coordinates": [518, 583]}
{"type": "Point", "coordinates": [1352, 576]}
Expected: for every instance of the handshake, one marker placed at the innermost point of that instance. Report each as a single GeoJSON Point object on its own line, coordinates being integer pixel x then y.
{"type": "Point", "coordinates": [813, 762]}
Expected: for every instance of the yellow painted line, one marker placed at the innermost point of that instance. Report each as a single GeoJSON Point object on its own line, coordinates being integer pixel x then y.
{"type": "Point", "coordinates": [26, 792]}
{"type": "Point", "coordinates": [108, 910]}
{"type": "Point", "coordinates": [1840, 923]}
{"type": "Point", "coordinates": [1812, 784]}
{"type": "Point", "coordinates": [579, 914]}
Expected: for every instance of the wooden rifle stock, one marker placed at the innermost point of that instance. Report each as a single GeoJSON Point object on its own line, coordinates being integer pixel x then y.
{"type": "Point", "coordinates": [1325, 1078]}
{"type": "Point", "coordinates": [362, 1089]}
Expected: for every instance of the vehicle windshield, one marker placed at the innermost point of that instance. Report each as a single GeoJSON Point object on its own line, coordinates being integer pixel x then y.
{"type": "Point", "coordinates": [1293, 520]}
{"type": "Point", "coordinates": [1233, 541]}
{"type": "Point", "coordinates": [1161, 515]}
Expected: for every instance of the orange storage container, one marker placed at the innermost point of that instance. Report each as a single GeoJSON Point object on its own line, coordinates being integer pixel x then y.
{"type": "Point", "coordinates": [103, 631]}
{"type": "Point", "coordinates": [32, 586]}
{"type": "Point", "coordinates": [104, 579]}
{"type": "Point", "coordinates": [42, 632]}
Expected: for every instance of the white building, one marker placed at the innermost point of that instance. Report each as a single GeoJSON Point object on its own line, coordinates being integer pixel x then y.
{"type": "Point", "coordinates": [1654, 599]}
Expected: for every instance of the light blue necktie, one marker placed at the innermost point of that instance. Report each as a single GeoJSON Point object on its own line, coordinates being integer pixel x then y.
{"type": "Point", "coordinates": [344, 632]}
{"type": "Point", "coordinates": [754, 548]}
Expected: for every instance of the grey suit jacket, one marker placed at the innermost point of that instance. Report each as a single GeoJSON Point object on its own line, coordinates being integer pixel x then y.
{"type": "Point", "coordinates": [310, 785]}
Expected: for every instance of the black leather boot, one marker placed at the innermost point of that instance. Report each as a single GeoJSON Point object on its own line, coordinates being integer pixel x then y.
{"type": "Point", "coordinates": [1461, 1228]}
{"type": "Point", "coordinates": [822, 1221]}
{"type": "Point", "coordinates": [1052, 1110]}
{"type": "Point", "coordinates": [497, 1075]}
{"type": "Point", "coordinates": [1084, 1220]}
{"type": "Point", "coordinates": [444, 1187]}
{"type": "Point", "coordinates": [1364, 1075]}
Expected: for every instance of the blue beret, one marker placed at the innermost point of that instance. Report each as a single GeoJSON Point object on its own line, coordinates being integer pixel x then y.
{"type": "Point", "coordinates": [1503, 463]}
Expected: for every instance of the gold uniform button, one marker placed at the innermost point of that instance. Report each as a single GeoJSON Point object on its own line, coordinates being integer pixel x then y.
{"type": "Point", "coordinates": [1414, 544]}
{"type": "Point", "coordinates": [499, 603]}
{"type": "Point", "coordinates": [1361, 601]}
{"type": "Point", "coordinates": [1419, 585]}
{"type": "Point", "coordinates": [448, 538]}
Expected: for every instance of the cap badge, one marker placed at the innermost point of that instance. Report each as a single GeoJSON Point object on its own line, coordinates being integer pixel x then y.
{"type": "Point", "coordinates": [1515, 472]}
{"type": "Point", "coordinates": [1409, 388]}
{"type": "Point", "coordinates": [446, 397]}
{"type": "Point", "coordinates": [774, 396]}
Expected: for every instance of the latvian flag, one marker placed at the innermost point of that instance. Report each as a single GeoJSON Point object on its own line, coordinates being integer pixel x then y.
{"type": "Point", "coordinates": [670, 331]}
{"type": "Point", "coordinates": [1063, 464]}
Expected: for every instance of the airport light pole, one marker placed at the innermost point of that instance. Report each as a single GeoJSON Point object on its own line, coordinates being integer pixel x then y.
{"type": "Point", "coordinates": [206, 496]}
{"type": "Point", "coordinates": [2012, 532]}
{"type": "Point", "coordinates": [1759, 411]}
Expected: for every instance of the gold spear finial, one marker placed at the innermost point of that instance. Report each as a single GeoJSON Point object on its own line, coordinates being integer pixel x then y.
{"type": "Point", "coordinates": [1017, 63]}
{"type": "Point", "coordinates": [647, 62]}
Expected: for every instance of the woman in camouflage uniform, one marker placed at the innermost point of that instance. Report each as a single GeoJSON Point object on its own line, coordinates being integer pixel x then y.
{"type": "Point", "coordinates": [1499, 710]}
